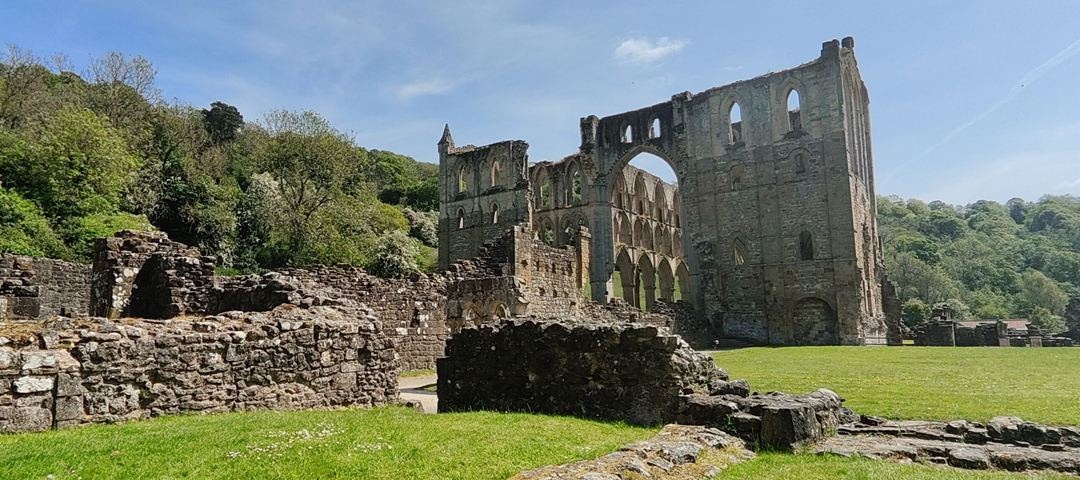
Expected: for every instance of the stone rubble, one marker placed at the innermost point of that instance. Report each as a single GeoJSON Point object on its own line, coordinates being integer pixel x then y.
{"type": "Point", "coordinates": [1006, 443]}
{"type": "Point", "coordinates": [678, 452]}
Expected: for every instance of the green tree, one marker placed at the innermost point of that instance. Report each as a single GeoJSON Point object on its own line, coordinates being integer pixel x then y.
{"type": "Point", "coordinates": [395, 256]}
{"type": "Point", "coordinates": [222, 122]}
{"type": "Point", "coordinates": [914, 312]}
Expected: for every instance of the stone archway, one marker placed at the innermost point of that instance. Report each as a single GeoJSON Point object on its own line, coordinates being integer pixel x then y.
{"type": "Point", "coordinates": [812, 322]}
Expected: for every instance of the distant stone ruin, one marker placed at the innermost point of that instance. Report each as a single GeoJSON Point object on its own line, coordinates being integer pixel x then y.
{"type": "Point", "coordinates": [770, 234]}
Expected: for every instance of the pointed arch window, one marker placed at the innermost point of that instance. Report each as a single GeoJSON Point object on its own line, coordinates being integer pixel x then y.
{"type": "Point", "coordinates": [575, 186]}
{"type": "Point", "coordinates": [735, 133]}
{"type": "Point", "coordinates": [494, 213]}
{"type": "Point", "coordinates": [794, 106]}
{"type": "Point", "coordinates": [800, 163]}
{"type": "Point", "coordinates": [494, 173]}
{"type": "Point", "coordinates": [460, 218]}
{"type": "Point", "coordinates": [627, 134]}
{"type": "Point", "coordinates": [806, 246]}
{"type": "Point", "coordinates": [654, 128]}
{"type": "Point", "coordinates": [462, 183]}
{"type": "Point", "coordinates": [739, 252]}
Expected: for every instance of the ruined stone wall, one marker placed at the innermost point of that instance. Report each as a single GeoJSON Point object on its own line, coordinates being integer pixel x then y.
{"type": "Point", "coordinates": [33, 287]}
{"type": "Point", "coordinates": [118, 262]}
{"type": "Point", "coordinates": [627, 372]}
{"type": "Point", "coordinates": [412, 312]}
{"type": "Point", "coordinates": [291, 358]}
{"type": "Point", "coordinates": [484, 192]}
{"type": "Point", "coordinates": [776, 210]}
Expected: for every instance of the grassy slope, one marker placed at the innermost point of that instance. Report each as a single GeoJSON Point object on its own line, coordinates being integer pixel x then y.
{"type": "Point", "coordinates": [390, 443]}
{"type": "Point", "coordinates": [775, 466]}
{"type": "Point", "coordinates": [932, 383]}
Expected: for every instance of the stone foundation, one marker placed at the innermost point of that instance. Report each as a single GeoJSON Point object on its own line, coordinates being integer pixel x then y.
{"type": "Point", "coordinates": [291, 358]}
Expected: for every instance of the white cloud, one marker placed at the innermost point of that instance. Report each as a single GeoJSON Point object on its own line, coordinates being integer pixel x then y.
{"type": "Point", "coordinates": [425, 87]}
{"type": "Point", "coordinates": [642, 51]}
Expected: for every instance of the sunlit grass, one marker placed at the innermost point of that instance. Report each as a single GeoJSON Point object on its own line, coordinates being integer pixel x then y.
{"type": "Point", "coordinates": [931, 383]}
{"type": "Point", "coordinates": [387, 443]}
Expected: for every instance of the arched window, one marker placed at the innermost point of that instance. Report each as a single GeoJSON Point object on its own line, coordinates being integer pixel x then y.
{"type": "Point", "coordinates": [740, 252]}
{"type": "Point", "coordinates": [794, 105]}
{"type": "Point", "coordinates": [575, 187]}
{"type": "Point", "coordinates": [545, 192]}
{"type": "Point", "coordinates": [494, 213]}
{"type": "Point", "coordinates": [735, 123]}
{"type": "Point", "coordinates": [494, 173]}
{"type": "Point", "coordinates": [547, 234]}
{"type": "Point", "coordinates": [806, 246]}
{"type": "Point", "coordinates": [654, 128]}
{"type": "Point", "coordinates": [462, 184]}
{"type": "Point", "coordinates": [460, 218]}
{"type": "Point", "coordinates": [800, 163]}
{"type": "Point", "coordinates": [627, 134]}
{"type": "Point", "coordinates": [736, 177]}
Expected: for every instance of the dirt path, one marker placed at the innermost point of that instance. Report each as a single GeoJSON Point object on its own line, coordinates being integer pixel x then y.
{"type": "Point", "coordinates": [411, 392]}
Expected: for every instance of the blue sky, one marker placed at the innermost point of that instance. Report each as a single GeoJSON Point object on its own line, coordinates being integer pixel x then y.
{"type": "Point", "coordinates": [969, 99]}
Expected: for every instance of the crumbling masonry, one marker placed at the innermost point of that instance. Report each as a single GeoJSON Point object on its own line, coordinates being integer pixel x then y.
{"type": "Point", "coordinates": [771, 233]}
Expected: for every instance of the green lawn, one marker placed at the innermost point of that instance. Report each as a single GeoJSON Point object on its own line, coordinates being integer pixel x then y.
{"type": "Point", "coordinates": [387, 443]}
{"type": "Point", "coordinates": [930, 383]}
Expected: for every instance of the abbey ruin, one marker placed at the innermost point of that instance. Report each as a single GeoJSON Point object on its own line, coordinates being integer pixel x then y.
{"type": "Point", "coordinates": [769, 235]}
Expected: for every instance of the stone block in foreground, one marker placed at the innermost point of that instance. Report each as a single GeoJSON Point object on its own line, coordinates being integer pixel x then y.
{"type": "Point", "coordinates": [677, 452]}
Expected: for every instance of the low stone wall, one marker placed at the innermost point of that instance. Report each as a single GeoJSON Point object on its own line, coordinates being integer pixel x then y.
{"type": "Point", "coordinates": [290, 358]}
{"type": "Point", "coordinates": [629, 372]}
{"type": "Point", "coordinates": [34, 287]}
{"type": "Point", "coordinates": [412, 311]}
{"type": "Point", "coordinates": [118, 261]}
{"type": "Point", "coordinates": [632, 372]}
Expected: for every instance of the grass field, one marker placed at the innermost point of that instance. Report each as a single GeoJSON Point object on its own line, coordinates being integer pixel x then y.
{"type": "Point", "coordinates": [386, 443]}
{"type": "Point", "coordinates": [930, 383]}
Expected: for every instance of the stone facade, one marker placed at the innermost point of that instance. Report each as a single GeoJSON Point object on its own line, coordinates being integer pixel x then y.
{"type": "Point", "coordinates": [773, 228]}
{"type": "Point", "coordinates": [291, 358]}
{"type": "Point", "coordinates": [42, 287]}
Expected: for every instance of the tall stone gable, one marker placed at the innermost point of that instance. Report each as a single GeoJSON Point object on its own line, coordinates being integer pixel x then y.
{"type": "Point", "coordinates": [777, 205]}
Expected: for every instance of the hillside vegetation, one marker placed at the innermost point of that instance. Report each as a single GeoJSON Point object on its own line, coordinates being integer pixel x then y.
{"type": "Point", "coordinates": [985, 260]}
{"type": "Point", "coordinates": [82, 156]}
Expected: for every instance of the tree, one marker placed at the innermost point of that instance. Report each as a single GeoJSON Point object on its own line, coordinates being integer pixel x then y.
{"type": "Point", "coordinates": [222, 122]}
{"type": "Point", "coordinates": [395, 256]}
{"type": "Point", "coordinates": [1038, 291]}
{"type": "Point", "coordinates": [79, 166]}
{"type": "Point", "coordinates": [914, 313]}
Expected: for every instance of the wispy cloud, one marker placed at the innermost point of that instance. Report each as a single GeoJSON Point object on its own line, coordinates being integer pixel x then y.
{"type": "Point", "coordinates": [425, 87]}
{"type": "Point", "coordinates": [1028, 79]}
{"type": "Point", "coordinates": [643, 51]}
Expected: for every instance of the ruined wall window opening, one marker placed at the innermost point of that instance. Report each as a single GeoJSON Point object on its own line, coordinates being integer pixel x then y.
{"type": "Point", "coordinates": [547, 235]}
{"type": "Point", "coordinates": [794, 107]}
{"type": "Point", "coordinates": [545, 192]}
{"type": "Point", "coordinates": [494, 213]}
{"type": "Point", "coordinates": [494, 173]}
{"type": "Point", "coordinates": [460, 218]}
{"type": "Point", "coordinates": [800, 163]}
{"type": "Point", "coordinates": [739, 251]}
{"type": "Point", "coordinates": [735, 123]}
{"type": "Point", "coordinates": [575, 187]}
{"type": "Point", "coordinates": [627, 134]}
{"type": "Point", "coordinates": [806, 246]}
{"type": "Point", "coordinates": [736, 177]}
{"type": "Point", "coordinates": [654, 128]}
{"type": "Point", "coordinates": [463, 184]}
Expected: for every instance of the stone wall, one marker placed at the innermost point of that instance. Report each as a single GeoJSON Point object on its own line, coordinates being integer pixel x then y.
{"type": "Point", "coordinates": [626, 372]}
{"type": "Point", "coordinates": [291, 358]}
{"type": "Point", "coordinates": [118, 261]}
{"type": "Point", "coordinates": [43, 287]}
{"type": "Point", "coordinates": [620, 371]}
{"type": "Point", "coordinates": [412, 311]}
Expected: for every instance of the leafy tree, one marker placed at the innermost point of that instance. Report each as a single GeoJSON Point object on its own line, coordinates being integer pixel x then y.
{"type": "Point", "coordinates": [24, 230]}
{"type": "Point", "coordinates": [395, 256]}
{"type": "Point", "coordinates": [1041, 292]}
{"type": "Point", "coordinates": [1044, 319]}
{"type": "Point", "coordinates": [222, 122]}
{"type": "Point", "coordinates": [914, 312]}
{"type": "Point", "coordinates": [79, 166]}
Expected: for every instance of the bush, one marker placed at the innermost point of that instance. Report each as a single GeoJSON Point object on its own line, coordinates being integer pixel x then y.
{"type": "Point", "coordinates": [394, 256]}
